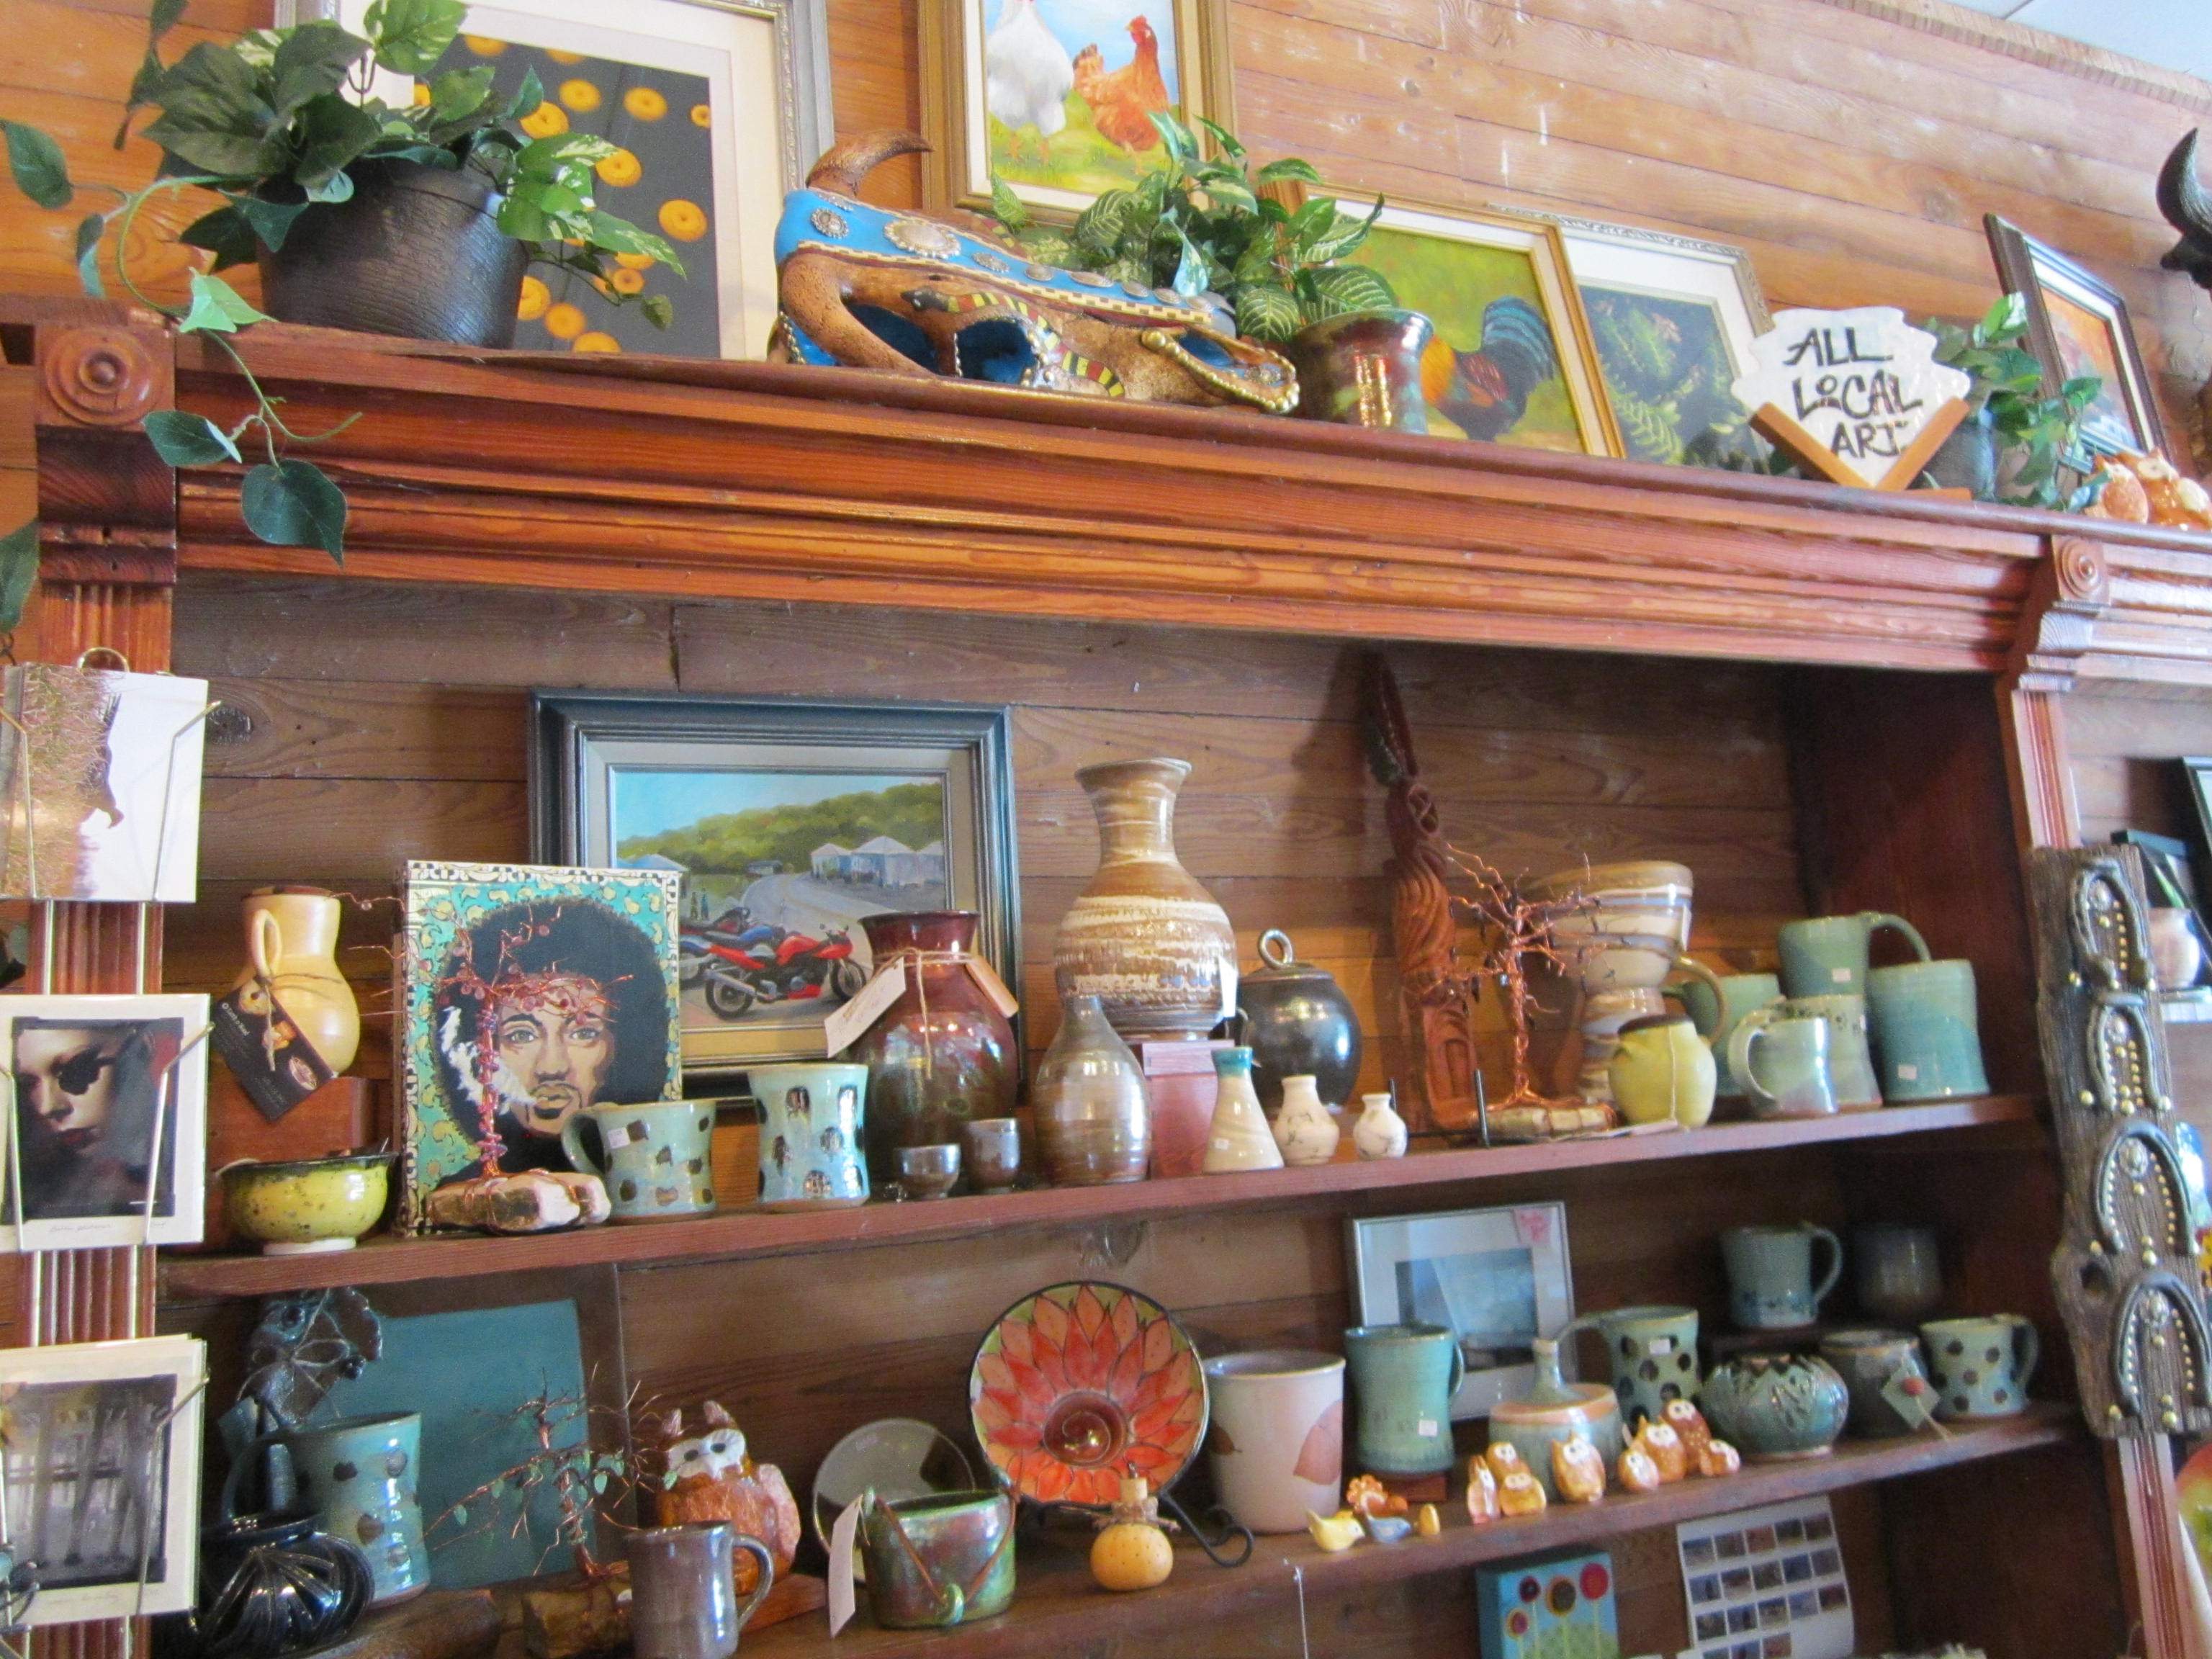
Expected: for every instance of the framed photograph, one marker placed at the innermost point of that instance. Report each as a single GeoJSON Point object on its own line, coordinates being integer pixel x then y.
{"type": "Point", "coordinates": [110, 1106]}
{"type": "Point", "coordinates": [102, 1473]}
{"type": "Point", "coordinates": [527, 994]}
{"type": "Point", "coordinates": [1497, 1278]}
{"type": "Point", "coordinates": [720, 106]}
{"type": "Point", "coordinates": [1055, 97]}
{"type": "Point", "coordinates": [785, 823]}
{"type": "Point", "coordinates": [1512, 360]}
{"type": "Point", "coordinates": [2077, 324]}
{"type": "Point", "coordinates": [100, 784]}
{"type": "Point", "coordinates": [1672, 319]}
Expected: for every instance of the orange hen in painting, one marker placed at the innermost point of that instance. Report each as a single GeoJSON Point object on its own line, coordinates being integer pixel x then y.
{"type": "Point", "coordinates": [1122, 104]}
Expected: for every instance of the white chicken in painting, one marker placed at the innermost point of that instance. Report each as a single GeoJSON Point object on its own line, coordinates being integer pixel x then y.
{"type": "Point", "coordinates": [1027, 73]}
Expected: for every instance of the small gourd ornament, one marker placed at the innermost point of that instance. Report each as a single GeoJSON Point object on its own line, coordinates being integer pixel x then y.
{"type": "Point", "coordinates": [1131, 1551]}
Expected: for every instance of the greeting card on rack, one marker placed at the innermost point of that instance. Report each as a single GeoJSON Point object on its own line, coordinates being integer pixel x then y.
{"type": "Point", "coordinates": [106, 1132]}
{"type": "Point", "coordinates": [100, 784]}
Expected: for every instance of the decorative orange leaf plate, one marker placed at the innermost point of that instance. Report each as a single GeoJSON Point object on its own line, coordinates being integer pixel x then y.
{"type": "Point", "coordinates": [1083, 1384]}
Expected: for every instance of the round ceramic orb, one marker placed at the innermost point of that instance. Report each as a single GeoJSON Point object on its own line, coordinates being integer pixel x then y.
{"type": "Point", "coordinates": [1776, 1405]}
{"type": "Point", "coordinates": [298, 1209]}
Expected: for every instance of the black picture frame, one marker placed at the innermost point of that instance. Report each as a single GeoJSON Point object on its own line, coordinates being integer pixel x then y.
{"type": "Point", "coordinates": [577, 738]}
{"type": "Point", "coordinates": [2030, 268]}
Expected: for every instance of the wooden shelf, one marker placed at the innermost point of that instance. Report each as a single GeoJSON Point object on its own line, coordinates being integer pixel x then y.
{"type": "Point", "coordinates": [1057, 1609]}
{"type": "Point", "coordinates": [384, 1260]}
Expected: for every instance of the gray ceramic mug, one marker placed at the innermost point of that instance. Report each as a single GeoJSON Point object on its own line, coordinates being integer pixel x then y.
{"type": "Point", "coordinates": [683, 1600]}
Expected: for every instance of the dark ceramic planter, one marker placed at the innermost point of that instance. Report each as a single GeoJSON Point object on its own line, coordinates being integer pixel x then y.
{"type": "Point", "coordinates": [415, 252]}
{"type": "Point", "coordinates": [1967, 460]}
{"type": "Point", "coordinates": [272, 1585]}
{"type": "Point", "coordinates": [1364, 369]}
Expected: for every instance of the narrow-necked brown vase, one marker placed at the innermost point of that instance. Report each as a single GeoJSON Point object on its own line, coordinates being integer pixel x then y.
{"type": "Point", "coordinates": [1145, 937]}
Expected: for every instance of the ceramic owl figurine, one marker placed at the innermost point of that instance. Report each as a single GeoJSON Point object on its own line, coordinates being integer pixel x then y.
{"type": "Point", "coordinates": [713, 1480]}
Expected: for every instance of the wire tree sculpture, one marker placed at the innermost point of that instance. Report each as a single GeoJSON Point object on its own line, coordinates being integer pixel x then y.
{"type": "Point", "coordinates": [585, 1482]}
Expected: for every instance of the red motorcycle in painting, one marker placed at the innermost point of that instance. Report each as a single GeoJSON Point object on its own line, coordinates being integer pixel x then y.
{"type": "Point", "coordinates": [740, 967]}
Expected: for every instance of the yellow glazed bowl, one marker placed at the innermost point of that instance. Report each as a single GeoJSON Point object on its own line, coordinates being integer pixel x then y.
{"type": "Point", "coordinates": [299, 1209]}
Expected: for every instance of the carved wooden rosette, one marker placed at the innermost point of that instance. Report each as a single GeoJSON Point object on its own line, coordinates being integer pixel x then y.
{"type": "Point", "coordinates": [2125, 1272]}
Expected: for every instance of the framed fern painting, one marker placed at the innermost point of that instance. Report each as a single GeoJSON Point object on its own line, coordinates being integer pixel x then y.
{"type": "Point", "coordinates": [1672, 320]}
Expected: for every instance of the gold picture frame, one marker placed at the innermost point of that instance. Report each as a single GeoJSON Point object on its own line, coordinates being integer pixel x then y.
{"type": "Point", "coordinates": [1551, 288]}
{"type": "Point", "coordinates": [956, 35]}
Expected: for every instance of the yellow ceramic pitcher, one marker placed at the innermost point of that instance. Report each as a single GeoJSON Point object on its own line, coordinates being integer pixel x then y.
{"type": "Point", "coordinates": [291, 946]}
{"type": "Point", "coordinates": [1663, 1069]}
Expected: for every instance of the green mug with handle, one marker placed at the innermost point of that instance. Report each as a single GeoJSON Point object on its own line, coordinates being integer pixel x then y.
{"type": "Point", "coordinates": [1780, 1060]}
{"type": "Point", "coordinates": [1403, 1378]}
{"type": "Point", "coordinates": [1827, 956]}
{"type": "Point", "coordinates": [1981, 1366]}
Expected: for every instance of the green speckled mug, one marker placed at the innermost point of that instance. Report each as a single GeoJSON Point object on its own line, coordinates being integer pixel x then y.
{"type": "Point", "coordinates": [656, 1163]}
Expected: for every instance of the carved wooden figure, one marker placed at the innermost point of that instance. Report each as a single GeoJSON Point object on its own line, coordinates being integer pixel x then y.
{"type": "Point", "coordinates": [2124, 1271]}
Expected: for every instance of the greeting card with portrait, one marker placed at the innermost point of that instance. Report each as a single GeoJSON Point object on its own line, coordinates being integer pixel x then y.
{"type": "Point", "coordinates": [527, 995]}
{"type": "Point", "coordinates": [106, 1137]}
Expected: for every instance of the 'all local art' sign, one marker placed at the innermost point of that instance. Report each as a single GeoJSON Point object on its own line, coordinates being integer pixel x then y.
{"type": "Point", "coordinates": [1857, 393]}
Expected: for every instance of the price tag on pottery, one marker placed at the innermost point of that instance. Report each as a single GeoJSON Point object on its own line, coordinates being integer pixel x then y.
{"type": "Point", "coordinates": [1863, 385]}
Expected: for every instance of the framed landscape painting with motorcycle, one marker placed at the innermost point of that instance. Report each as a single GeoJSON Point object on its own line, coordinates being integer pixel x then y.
{"type": "Point", "coordinates": [785, 823]}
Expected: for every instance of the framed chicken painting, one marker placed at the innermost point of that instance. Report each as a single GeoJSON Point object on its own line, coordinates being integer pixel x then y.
{"type": "Point", "coordinates": [1512, 360]}
{"type": "Point", "coordinates": [1055, 98]}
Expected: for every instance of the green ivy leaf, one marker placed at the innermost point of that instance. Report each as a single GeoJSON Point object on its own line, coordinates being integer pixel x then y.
{"type": "Point", "coordinates": [217, 308]}
{"type": "Point", "coordinates": [292, 503]}
{"type": "Point", "coordinates": [543, 156]}
{"type": "Point", "coordinates": [338, 187]}
{"type": "Point", "coordinates": [527, 97]}
{"type": "Point", "coordinates": [332, 133]}
{"type": "Point", "coordinates": [89, 230]}
{"type": "Point", "coordinates": [313, 61]}
{"type": "Point", "coordinates": [1181, 144]}
{"type": "Point", "coordinates": [1009, 209]}
{"type": "Point", "coordinates": [659, 309]}
{"type": "Point", "coordinates": [187, 440]}
{"type": "Point", "coordinates": [216, 117]}
{"type": "Point", "coordinates": [40, 171]}
{"type": "Point", "coordinates": [411, 36]}
{"type": "Point", "coordinates": [271, 221]}
{"type": "Point", "coordinates": [599, 1481]}
{"type": "Point", "coordinates": [620, 236]}
{"type": "Point", "coordinates": [19, 568]}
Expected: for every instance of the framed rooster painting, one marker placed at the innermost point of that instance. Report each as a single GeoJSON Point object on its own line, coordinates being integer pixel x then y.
{"type": "Point", "coordinates": [1512, 360]}
{"type": "Point", "coordinates": [1055, 97]}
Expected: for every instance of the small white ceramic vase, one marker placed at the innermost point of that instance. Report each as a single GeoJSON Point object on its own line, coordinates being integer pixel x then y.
{"type": "Point", "coordinates": [1238, 1138]}
{"type": "Point", "coordinates": [2176, 955]}
{"type": "Point", "coordinates": [1303, 1128]}
{"type": "Point", "coordinates": [1380, 1132]}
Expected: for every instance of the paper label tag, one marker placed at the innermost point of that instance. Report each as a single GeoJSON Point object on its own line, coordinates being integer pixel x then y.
{"type": "Point", "coordinates": [993, 987]}
{"type": "Point", "coordinates": [275, 1065]}
{"type": "Point", "coordinates": [617, 1136]}
{"type": "Point", "coordinates": [1228, 1009]}
{"type": "Point", "coordinates": [1908, 1073]}
{"type": "Point", "coordinates": [1220, 1143]}
{"type": "Point", "coordinates": [1840, 975]}
{"type": "Point", "coordinates": [845, 1025]}
{"type": "Point", "coordinates": [1910, 1396]}
{"type": "Point", "coordinates": [1659, 1344]}
{"type": "Point", "coordinates": [841, 1535]}
{"type": "Point", "coordinates": [1428, 1428]}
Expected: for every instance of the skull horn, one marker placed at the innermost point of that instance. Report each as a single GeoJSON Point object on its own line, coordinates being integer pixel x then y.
{"type": "Point", "coordinates": [2187, 206]}
{"type": "Point", "coordinates": [844, 164]}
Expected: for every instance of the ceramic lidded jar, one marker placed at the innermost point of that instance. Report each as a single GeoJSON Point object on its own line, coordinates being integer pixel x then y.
{"type": "Point", "coordinates": [942, 1055]}
{"type": "Point", "coordinates": [291, 947]}
{"type": "Point", "coordinates": [1093, 1124]}
{"type": "Point", "coordinates": [1299, 1021]}
{"type": "Point", "coordinates": [1144, 937]}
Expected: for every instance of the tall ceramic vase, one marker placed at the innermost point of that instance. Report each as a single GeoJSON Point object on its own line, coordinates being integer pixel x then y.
{"type": "Point", "coordinates": [1144, 938]}
{"type": "Point", "coordinates": [291, 946]}
{"type": "Point", "coordinates": [1094, 1125]}
{"type": "Point", "coordinates": [942, 1055]}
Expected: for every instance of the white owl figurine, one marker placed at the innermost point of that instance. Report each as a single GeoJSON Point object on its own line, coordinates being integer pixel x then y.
{"type": "Point", "coordinates": [711, 1478]}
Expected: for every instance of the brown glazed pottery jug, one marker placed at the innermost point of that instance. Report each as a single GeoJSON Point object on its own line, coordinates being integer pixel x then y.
{"type": "Point", "coordinates": [940, 1056]}
{"type": "Point", "coordinates": [1144, 938]}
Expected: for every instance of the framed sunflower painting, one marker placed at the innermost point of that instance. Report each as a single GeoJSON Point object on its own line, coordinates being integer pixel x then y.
{"type": "Point", "coordinates": [718, 107]}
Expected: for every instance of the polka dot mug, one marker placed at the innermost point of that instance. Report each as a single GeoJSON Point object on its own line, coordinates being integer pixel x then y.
{"type": "Point", "coordinates": [1981, 1366]}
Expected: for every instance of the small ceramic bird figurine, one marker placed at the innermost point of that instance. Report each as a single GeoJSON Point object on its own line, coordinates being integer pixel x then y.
{"type": "Point", "coordinates": [1334, 1533]}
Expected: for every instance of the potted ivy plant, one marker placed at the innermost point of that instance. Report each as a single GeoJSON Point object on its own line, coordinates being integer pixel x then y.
{"type": "Point", "coordinates": [417, 221]}
{"type": "Point", "coordinates": [2016, 445]}
{"type": "Point", "coordinates": [1218, 225]}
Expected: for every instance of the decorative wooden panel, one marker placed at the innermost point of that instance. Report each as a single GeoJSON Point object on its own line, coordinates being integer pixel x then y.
{"type": "Point", "coordinates": [2124, 1271]}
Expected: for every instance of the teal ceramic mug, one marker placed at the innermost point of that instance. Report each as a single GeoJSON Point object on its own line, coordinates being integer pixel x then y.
{"type": "Point", "coordinates": [1850, 1063]}
{"type": "Point", "coordinates": [1827, 956]}
{"type": "Point", "coordinates": [813, 1150]}
{"type": "Point", "coordinates": [1925, 1030]}
{"type": "Point", "coordinates": [1981, 1366]}
{"type": "Point", "coordinates": [1781, 1061]}
{"type": "Point", "coordinates": [359, 1475]}
{"type": "Point", "coordinates": [1652, 1352]}
{"type": "Point", "coordinates": [1770, 1271]}
{"type": "Point", "coordinates": [1718, 1015]}
{"type": "Point", "coordinates": [654, 1157]}
{"type": "Point", "coordinates": [1403, 1378]}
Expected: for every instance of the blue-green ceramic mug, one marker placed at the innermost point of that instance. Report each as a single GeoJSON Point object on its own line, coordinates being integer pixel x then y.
{"type": "Point", "coordinates": [1981, 1366]}
{"type": "Point", "coordinates": [813, 1153]}
{"type": "Point", "coordinates": [655, 1157]}
{"type": "Point", "coordinates": [1770, 1271]}
{"type": "Point", "coordinates": [1826, 956]}
{"type": "Point", "coordinates": [359, 1475]}
{"type": "Point", "coordinates": [1403, 1377]}
{"type": "Point", "coordinates": [1925, 1030]}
